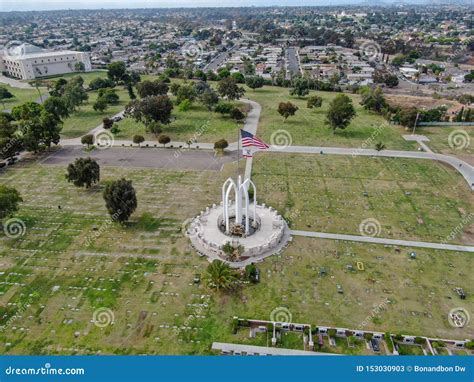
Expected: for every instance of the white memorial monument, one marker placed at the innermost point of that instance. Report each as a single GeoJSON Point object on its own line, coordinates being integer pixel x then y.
{"type": "Point", "coordinates": [257, 230]}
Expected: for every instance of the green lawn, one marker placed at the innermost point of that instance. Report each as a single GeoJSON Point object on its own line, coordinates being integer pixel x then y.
{"type": "Point", "coordinates": [457, 140]}
{"type": "Point", "coordinates": [197, 123]}
{"type": "Point", "coordinates": [85, 118]}
{"type": "Point", "coordinates": [410, 199]}
{"type": "Point", "coordinates": [307, 126]}
{"type": "Point", "coordinates": [409, 350]}
{"type": "Point", "coordinates": [72, 260]}
{"type": "Point", "coordinates": [21, 96]}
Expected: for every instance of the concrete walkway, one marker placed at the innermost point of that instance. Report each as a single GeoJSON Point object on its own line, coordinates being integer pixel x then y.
{"type": "Point", "coordinates": [251, 125]}
{"type": "Point", "coordinates": [466, 170]}
{"type": "Point", "coordinates": [238, 349]}
{"type": "Point", "coordinates": [379, 240]}
{"type": "Point", "coordinates": [15, 83]}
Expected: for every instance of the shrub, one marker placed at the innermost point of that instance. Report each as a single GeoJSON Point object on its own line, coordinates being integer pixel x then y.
{"type": "Point", "coordinates": [314, 101]}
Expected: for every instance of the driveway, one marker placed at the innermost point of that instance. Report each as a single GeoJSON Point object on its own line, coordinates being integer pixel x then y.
{"type": "Point", "coordinates": [175, 159]}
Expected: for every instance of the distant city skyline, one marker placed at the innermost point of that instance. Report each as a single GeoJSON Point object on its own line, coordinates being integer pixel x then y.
{"type": "Point", "coordinates": [34, 5]}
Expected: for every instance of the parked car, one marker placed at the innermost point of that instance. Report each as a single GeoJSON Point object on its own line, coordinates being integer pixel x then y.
{"type": "Point", "coordinates": [375, 345]}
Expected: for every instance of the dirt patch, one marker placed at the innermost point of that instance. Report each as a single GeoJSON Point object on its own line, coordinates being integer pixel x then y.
{"type": "Point", "coordinates": [406, 101]}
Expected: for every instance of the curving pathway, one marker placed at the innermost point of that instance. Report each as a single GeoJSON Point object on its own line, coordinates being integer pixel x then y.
{"type": "Point", "coordinates": [251, 125]}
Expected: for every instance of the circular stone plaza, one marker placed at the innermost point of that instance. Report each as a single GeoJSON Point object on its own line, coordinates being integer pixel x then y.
{"type": "Point", "coordinates": [238, 231]}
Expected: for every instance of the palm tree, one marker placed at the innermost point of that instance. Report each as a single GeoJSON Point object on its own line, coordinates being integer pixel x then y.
{"type": "Point", "coordinates": [220, 275]}
{"type": "Point", "coordinates": [36, 84]}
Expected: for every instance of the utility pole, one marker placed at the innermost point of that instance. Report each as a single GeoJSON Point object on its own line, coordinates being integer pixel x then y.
{"type": "Point", "coordinates": [416, 121]}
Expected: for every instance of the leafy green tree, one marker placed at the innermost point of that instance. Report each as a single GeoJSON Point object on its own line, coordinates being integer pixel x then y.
{"type": "Point", "coordinates": [314, 101]}
{"type": "Point", "coordinates": [287, 109]}
{"type": "Point", "coordinates": [340, 113]}
{"type": "Point", "coordinates": [300, 87]}
{"type": "Point", "coordinates": [184, 105]}
{"type": "Point", "coordinates": [79, 67]}
{"type": "Point", "coordinates": [56, 106]}
{"type": "Point", "coordinates": [221, 145]}
{"type": "Point", "coordinates": [254, 82]}
{"type": "Point", "coordinates": [87, 139]}
{"type": "Point", "coordinates": [109, 95]}
{"type": "Point", "coordinates": [237, 115]}
{"type": "Point", "coordinates": [107, 123]}
{"type": "Point", "coordinates": [150, 109]}
{"type": "Point", "coordinates": [239, 77]}
{"type": "Point", "coordinates": [186, 91]}
{"type": "Point", "coordinates": [138, 139]}
{"type": "Point", "coordinates": [39, 127]}
{"type": "Point", "coordinates": [100, 104]}
{"type": "Point", "coordinates": [131, 93]}
{"type": "Point", "coordinates": [227, 87]}
{"type": "Point", "coordinates": [101, 83]}
{"type": "Point", "coordinates": [220, 276]}
{"type": "Point", "coordinates": [154, 128]}
{"type": "Point", "coordinates": [10, 140]}
{"type": "Point", "coordinates": [209, 99]}
{"type": "Point", "coordinates": [152, 88]}
{"type": "Point", "coordinates": [164, 139]}
{"type": "Point", "coordinates": [379, 146]}
{"type": "Point", "coordinates": [116, 71]}
{"type": "Point", "coordinates": [120, 199]}
{"type": "Point", "coordinates": [373, 99]}
{"type": "Point", "coordinates": [200, 87]}
{"type": "Point", "coordinates": [174, 88]}
{"type": "Point", "coordinates": [57, 88]}
{"type": "Point", "coordinates": [83, 172]}
{"type": "Point", "coordinates": [5, 94]}
{"type": "Point", "coordinates": [223, 108]}
{"type": "Point", "coordinates": [74, 93]}
{"type": "Point", "coordinates": [223, 73]}
{"type": "Point", "coordinates": [9, 200]}
{"type": "Point", "coordinates": [391, 80]}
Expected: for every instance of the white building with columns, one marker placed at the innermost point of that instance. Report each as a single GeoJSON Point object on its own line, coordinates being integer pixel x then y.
{"type": "Point", "coordinates": [27, 62]}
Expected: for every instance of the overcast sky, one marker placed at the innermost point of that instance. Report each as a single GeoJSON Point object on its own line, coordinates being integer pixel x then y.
{"type": "Point", "coordinates": [23, 5]}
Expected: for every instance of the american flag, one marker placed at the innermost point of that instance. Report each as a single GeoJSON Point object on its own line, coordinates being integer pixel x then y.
{"type": "Point", "coordinates": [250, 140]}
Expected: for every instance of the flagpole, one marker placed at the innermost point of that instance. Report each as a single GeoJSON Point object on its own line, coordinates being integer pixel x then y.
{"type": "Point", "coordinates": [238, 150]}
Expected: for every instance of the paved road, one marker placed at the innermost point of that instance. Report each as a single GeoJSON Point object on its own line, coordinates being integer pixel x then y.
{"type": "Point", "coordinates": [15, 83]}
{"type": "Point", "coordinates": [145, 157]}
{"type": "Point", "coordinates": [218, 60]}
{"type": "Point", "coordinates": [466, 170]}
{"type": "Point", "coordinates": [291, 60]}
{"type": "Point", "coordinates": [378, 240]}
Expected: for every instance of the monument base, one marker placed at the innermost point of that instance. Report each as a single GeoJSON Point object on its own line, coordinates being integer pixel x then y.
{"type": "Point", "coordinates": [269, 235]}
